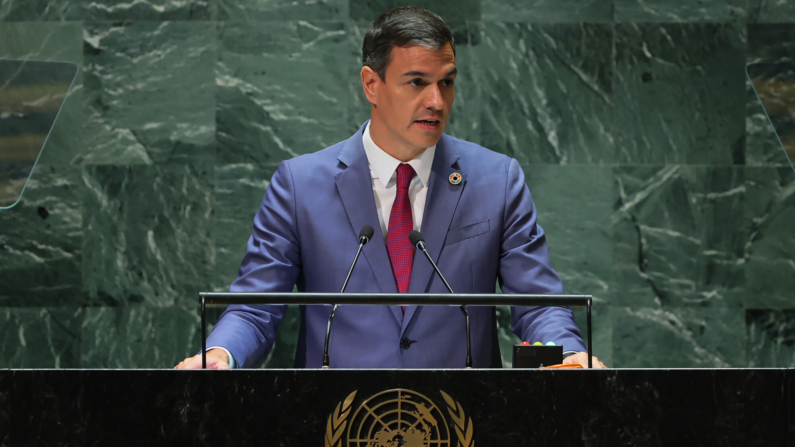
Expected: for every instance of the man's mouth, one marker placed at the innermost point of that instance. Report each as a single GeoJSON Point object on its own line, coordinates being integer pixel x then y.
{"type": "Point", "coordinates": [429, 124]}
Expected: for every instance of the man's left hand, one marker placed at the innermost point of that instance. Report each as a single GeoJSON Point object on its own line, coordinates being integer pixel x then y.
{"type": "Point", "coordinates": [582, 359]}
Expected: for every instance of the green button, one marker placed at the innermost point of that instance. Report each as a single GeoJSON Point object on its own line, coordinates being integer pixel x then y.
{"type": "Point", "coordinates": [538, 343]}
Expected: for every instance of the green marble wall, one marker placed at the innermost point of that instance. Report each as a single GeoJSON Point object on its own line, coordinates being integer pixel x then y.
{"type": "Point", "coordinates": [648, 155]}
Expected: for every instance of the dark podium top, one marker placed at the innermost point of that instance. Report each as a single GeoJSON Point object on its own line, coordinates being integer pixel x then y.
{"type": "Point", "coordinates": [655, 407]}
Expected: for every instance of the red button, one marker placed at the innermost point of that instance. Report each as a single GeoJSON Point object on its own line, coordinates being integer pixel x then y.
{"type": "Point", "coordinates": [526, 343]}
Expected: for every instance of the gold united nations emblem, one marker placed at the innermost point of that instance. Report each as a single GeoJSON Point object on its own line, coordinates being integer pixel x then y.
{"type": "Point", "coordinates": [396, 418]}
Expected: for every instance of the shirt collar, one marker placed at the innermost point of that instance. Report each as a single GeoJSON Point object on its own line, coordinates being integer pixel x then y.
{"type": "Point", "coordinates": [383, 165]}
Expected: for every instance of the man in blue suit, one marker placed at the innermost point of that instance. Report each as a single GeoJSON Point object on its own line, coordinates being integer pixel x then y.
{"type": "Point", "coordinates": [397, 173]}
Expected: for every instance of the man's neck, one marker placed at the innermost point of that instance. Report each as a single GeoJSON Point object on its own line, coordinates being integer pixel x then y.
{"type": "Point", "coordinates": [384, 140]}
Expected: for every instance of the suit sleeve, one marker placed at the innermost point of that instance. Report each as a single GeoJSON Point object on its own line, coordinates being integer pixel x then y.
{"type": "Point", "coordinates": [272, 264]}
{"type": "Point", "coordinates": [525, 268]}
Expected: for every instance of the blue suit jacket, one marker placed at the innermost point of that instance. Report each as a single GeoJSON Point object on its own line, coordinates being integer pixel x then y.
{"type": "Point", "coordinates": [479, 231]}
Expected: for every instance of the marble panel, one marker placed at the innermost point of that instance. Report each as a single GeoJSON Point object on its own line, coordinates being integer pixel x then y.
{"type": "Point", "coordinates": [547, 11]}
{"type": "Point", "coordinates": [148, 234]}
{"type": "Point", "coordinates": [771, 11]}
{"type": "Point", "coordinates": [450, 10]}
{"type": "Point", "coordinates": [282, 89]}
{"type": "Point", "coordinates": [155, 10]}
{"type": "Point", "coordinates": [40, 337]}
{"type": "Point", "coordinates": [770, 338]}
{"type": "Point", "coordinates": [770, 42]}
{"type": "Point", "coordinates": [680, 235]}
{"type": "Point", "coordinates": [660, 11]}
{"type": "Point", "coordinates": [547, 91]}
{"type": "Point", "coordinates": [279, 10]}
{"type": "Point", "coordinates": [33, 10]}
{"type": "Point", "coordinates": [574, 205]}
{"type": "Point", "coordinates": [42, 41]}
{"type": "Point", "coordinates": [149, 92]}
{"type": "Point", "coordinates": [464, 119]}
{"type": "Point", "coordinates": [239, 189]}
{"type": "Point", "coordinates": [770, 250]}
{"type": "Point", "coordinates": [601, 330]}
{"type": "Point", "coordinates": [56, 10]}
{"type": "Point", "coordinates": [678, 337]}
{"type": "Point", "coordinates": [41, 241]}
{"type": "Point", "coordinates": [48, 41]}
{"type": "Point", "coordinates": [141, 337]}
{"type": "Point", "coordinates": [680, 93]}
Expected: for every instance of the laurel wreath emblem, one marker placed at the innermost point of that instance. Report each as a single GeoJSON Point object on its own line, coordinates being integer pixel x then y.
{"type": "Point", "coordinates": [463, 428]}
{"type": "Point", "coordinates": [337, 422]}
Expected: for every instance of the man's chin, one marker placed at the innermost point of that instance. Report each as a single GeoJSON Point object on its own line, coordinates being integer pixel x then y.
{"type": "Point", "coordinates": [428, 142]}
{"type": "Point", "coordinates": [427, 138]}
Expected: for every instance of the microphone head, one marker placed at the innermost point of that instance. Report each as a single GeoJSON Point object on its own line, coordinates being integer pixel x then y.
{"type": "Point", "coordinates": [416, 237]}
{"type": "Point", "coordinates": [366, 233]}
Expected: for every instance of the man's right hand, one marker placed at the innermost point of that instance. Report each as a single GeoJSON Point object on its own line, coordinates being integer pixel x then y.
{"type": "Point", "coordinates": [216, 359]}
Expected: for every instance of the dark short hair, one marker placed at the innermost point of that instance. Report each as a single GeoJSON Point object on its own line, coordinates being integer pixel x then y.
{"type": "Point", "coordinates": [403, 26]}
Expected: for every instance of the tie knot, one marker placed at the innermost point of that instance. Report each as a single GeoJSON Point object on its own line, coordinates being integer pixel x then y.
{"type": "Point", "coordinates": [404, 175]}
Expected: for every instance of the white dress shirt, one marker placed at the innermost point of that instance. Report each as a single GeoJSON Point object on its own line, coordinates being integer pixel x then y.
{"type": "Point", "coordinates": [383, 170]}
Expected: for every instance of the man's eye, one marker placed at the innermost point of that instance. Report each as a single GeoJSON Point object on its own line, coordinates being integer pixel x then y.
{"type": "Point", "coordinates": [448, 82]}
{"type": "Point", "coordinates": [416, 82]}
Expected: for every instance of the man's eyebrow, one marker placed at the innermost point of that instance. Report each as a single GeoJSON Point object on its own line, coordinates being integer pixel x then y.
{"type": "Point", "coordinates": [416, 73]}
{"type": "Point", "coordinates": [422, 74]}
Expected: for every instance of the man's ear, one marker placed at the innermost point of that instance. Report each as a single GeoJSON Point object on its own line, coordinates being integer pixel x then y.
{"type": "Point", "coordinates": [371, 83]}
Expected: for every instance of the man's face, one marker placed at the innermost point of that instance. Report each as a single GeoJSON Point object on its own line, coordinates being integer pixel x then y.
{"type": "Point", "coordinates": [414, 101]}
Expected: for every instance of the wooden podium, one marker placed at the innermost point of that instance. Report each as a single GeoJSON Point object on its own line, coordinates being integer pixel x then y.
{"type": "Point", "coordinates": [484, 408]}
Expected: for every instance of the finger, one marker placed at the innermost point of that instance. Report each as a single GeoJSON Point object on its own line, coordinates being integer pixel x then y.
{"type": "Point", "coordinates": [187, 363]}
{"type": "Point", "coordinates": [598, 363]}
{"type": "Point", "coordinates": [195, 362]}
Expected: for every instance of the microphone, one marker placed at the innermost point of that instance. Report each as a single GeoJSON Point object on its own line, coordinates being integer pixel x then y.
{"type": "Point", "coordinates": [365, 234]}
{"type": "Point", "coordinates": [418, 241]}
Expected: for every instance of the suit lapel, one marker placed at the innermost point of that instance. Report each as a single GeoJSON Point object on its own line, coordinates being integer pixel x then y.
{"type": "Point", "coordinates": [440, 207]}
{"type": "Point", "coordinates": [355, 186]}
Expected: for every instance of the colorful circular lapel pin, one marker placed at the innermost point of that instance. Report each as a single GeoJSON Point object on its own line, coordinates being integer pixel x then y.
{"type": "Point", "coordinates": [455, 178]}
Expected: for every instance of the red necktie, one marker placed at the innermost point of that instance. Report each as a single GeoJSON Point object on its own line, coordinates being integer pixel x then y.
{"type": "Point", "coordinates": [401, 252]}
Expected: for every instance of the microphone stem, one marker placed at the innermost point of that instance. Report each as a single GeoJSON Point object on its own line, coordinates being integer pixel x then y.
{"type": "Point", "coordinates": [334, 309]}
{"type": "Point", "coordinates": [421, 246]}
{"type": "Point", "coordinates": [353, 264]}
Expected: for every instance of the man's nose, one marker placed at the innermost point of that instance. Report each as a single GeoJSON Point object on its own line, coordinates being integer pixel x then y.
{"type": "Point", "coordinates": [433, 98]}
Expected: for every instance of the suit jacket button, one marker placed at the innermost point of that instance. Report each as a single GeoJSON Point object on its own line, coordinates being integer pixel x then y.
{"type": "Point", "coordinates": [405, 343]}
